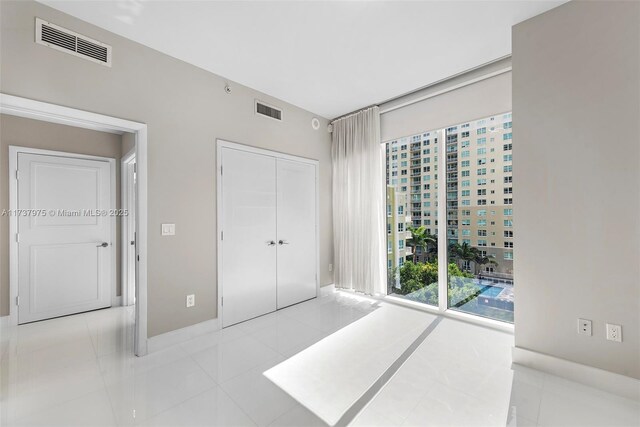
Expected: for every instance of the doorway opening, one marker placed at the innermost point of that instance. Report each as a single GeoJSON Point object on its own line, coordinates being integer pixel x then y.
{"type": "Point", "coordinates": [55, 170]}
{"type": "Point", "coordinates": [128, 224]}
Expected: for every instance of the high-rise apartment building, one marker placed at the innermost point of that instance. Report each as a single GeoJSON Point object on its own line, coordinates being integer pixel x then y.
{"type": "Point", "coordinates": [398, 236]}
{"type": "Point", "coordinates": [479, 188]}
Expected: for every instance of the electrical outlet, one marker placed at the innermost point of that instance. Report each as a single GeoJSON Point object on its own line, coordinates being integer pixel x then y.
{"type": "Point", "coordinates": [614, 332]}
{"type": "Point", "coordinates": [584, 327]}
{"type": "Point", "coordinates": [191, 300]}
{"type": "Point", "coordinates": [330, 267]}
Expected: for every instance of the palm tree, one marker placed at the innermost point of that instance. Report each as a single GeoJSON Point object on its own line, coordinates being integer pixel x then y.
{"type": "Point", "coordinates": [419, 239]}
{"type": "Point", "coordinates": [483, 260]}
{"type": "Point", "coordinates": [432, 247]}
{"type": "Point", "coordinates": [463, 252]}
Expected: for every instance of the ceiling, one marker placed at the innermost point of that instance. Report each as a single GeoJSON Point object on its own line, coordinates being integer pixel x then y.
{"type": "Point", "coordinates": [328, 57]}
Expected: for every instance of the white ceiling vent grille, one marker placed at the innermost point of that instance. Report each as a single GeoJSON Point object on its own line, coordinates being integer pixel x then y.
{"type": "Point", "coordinates": [64, 40]}
{"type": "Point", "coordinates": [268, 111]}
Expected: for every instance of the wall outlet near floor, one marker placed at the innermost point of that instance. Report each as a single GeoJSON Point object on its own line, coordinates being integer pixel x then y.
{"type": "Point", "coordinates": [614, 332]}
{"type": "Point", "coordinates": [191, 300]}
{"type": "Point", "coordinates": [330, 267]}
{"type": "Point", "coordinates": [584, 327]}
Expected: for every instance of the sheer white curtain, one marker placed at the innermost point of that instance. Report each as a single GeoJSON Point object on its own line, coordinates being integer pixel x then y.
{"type": "Point", "coordinates": [359, 203]}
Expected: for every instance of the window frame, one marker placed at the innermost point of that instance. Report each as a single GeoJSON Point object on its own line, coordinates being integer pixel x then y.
{"type": "Point", "coordinates": [443, 258]}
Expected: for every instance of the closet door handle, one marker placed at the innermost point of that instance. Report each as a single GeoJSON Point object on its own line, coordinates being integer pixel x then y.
{"type": "Point", "coordinates": [283, 242]}
{"type": "Point", "coordinates": [271, 243]}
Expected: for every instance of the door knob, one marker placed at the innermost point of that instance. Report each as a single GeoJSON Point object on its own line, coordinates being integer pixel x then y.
{"type": "Point", "coordinates": [102, 245]}
{"type": "Point", "coordinates": [271, 243]}
{"type": "Point", "coordinates": [283, 242]}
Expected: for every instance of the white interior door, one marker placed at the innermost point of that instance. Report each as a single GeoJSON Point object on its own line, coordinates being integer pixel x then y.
{"type": "Point", "coordinates": [65, 256]}
{"type": "Point", "coordinates": [297, 257]}
{"type": "Point", "coordinates": [249, 235]}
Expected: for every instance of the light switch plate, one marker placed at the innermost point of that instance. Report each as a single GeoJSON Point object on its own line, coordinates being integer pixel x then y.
{"type": "Point", "coordinates": [168, 229]}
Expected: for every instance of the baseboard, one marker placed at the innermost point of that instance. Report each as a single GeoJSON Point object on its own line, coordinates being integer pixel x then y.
{"type": "Point", "coordinates": [169, 339]}
{"type": "Point", "coordinates": [594, 377]}
{"type": "Point", "coordinates": [116, 301]}
{"type": "Point", "coordinates": [4, 322]}
{"type": "Point", "coordinates": [326, 289]}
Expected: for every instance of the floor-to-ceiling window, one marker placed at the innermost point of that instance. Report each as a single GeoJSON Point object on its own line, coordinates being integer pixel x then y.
{"type": "Point", "coordinates": [477, 176]}
{"type": "Point", "coordinates": [412, 217]}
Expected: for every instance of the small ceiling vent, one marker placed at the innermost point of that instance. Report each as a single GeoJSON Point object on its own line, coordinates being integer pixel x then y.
{"type": "Point", "coordinates": [64, 40]}
{"type": "Point", "coordinates": [268, 111]}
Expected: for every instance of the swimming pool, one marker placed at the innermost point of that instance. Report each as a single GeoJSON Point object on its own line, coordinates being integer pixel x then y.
{"type": "Point", "coordinates": [491, 291]}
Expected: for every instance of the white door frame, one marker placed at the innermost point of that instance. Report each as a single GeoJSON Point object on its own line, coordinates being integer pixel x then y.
{"type": "Point", "coordinates": [220, 144]}
{"type": "Point", "coordinates": [13, 220]}
{"type": "Point", "coordinates": [23, 107]}
{"type": "Point", "coordinates": [126, 189]}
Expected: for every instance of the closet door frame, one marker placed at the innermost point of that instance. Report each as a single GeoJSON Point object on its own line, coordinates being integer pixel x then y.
{"type": "Point", "coordinates": [222, 144]}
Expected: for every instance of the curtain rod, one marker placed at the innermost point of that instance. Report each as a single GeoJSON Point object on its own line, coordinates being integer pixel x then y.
{"type": "Point", "coordinates": [353, 113]}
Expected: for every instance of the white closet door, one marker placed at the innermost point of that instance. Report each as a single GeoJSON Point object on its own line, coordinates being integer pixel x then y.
{"type": "Point", "coordinates": [64, 258]}
{"type": "Point", "coordinates": [249, 235]}
{"type": "Point", "coordinates": [297, 257]}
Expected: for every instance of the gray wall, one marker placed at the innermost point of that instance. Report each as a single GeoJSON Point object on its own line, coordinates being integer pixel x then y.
{"type": "Point", "coordinates": [49, 136]}
{"type": "Point", "coordinates": [576, 115]}
{"type": "Point", "coordinates": [185, 109]}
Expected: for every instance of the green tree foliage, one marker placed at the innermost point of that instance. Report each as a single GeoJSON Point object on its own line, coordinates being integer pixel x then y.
{"type": "Point", "coordinates": [419, 281]}
{"type": "Point", "coordinates": [463, 252]}
{"type": "Point", "coordinates": [420, 239]}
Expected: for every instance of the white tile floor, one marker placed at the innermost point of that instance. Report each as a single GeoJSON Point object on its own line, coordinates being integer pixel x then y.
{"type": "Point", "coordinates": [80, 371]}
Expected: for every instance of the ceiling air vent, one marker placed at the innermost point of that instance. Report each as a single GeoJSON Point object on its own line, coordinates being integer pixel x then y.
{"type": "Point", "coordinates": [64, 40]}
{"type": "Point", "coordinates": [268, 111]}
